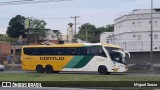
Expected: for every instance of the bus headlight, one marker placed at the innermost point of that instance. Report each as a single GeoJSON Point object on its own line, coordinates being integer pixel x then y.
{"type": "Point", "coordinates": [126, 66]}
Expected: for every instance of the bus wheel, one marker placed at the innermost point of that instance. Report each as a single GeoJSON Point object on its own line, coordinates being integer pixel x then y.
{"type": "Point", "coordinates": [102, 70]}
{"type": "Point", "coordinates": [49, 69]}
{"type": "Point", "coordinates": [39, 69]}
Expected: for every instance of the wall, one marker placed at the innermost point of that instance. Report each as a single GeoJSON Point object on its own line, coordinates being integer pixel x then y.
{"type": "Point", "coordinates": [5, 49]}
{"type": "Point", "coordinates": [137, 57]}
{"type": "Point", "coordinates": [132, 31]}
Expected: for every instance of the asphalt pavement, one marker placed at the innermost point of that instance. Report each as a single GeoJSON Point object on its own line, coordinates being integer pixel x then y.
{"type": "Point", "coordinates": [52, 88]}
{"type": "Point", "coordinates": [66, 88]}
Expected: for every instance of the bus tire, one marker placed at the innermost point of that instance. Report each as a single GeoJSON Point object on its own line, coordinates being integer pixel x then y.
{"type": "Point", "coordinates": [39, 69]}
{"type": "Point", "coordinates": [49, 69]}
{"type": "Point", "coordinates": [102, 70]}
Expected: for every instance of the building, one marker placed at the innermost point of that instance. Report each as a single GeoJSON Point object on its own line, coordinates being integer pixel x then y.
{"type": "Point", "coordinates": [106, 37]}
{"type": "Point", "coordinates": [5, 49]}
{"type": "Point", "coordinates": [50, 37]}
{"type": "Point", "coordinates": [132, 31]}
{"type": "Point", "coordinates": [64, 38]}
{"type": "Point", "coordinates": [70, 36]}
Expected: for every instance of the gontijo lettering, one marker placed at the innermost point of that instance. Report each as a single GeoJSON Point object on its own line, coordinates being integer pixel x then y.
{"type": "Point", "coordinates": [51, 58]}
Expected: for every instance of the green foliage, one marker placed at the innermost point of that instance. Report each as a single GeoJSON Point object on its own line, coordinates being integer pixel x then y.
{"type": "Point", "coordinates": [16, 27]}
{"type": "Point", "coordinates": [108, 28]}
{"type": "Point", "coordinates": [36, 30]}
{"type": "Point", "coordinates": [11, 40]}
{"type": "Point", "coordinates": [69, 77]}
{"type": "Point", "coordinates": [37, 24]}
{"type": "Point", "coordinates": [6, 39]}
{"type": "Point", "coordinates": [93, 32]}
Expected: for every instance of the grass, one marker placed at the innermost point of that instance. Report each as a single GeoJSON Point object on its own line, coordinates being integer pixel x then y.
{"type": "Point", "coordinates": [79, 80]}
{"type": "Point", "coordinates": [73, 77]}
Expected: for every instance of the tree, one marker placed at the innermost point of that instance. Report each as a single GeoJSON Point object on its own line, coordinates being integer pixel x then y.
{"type": "Point", "coordinates": [93, 32]}
{"type": "Point", "coordinates": [90, 29]}
{"type": "Point", "coordinates": [37, 29]}
{"type": "Point", "coordinates": [100, 30]}
{"type": "Point", "coordinates": [5, 38]}
{"type": "Point", "coordinates": [108, 28]}
{"type": "Point", "coordinates": [16, 27]}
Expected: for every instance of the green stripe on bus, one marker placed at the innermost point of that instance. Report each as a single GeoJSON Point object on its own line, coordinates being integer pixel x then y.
{"type": "Point", "coordinates": [74, 62]}
{"type": "Point", "coordinates": [84, 61]}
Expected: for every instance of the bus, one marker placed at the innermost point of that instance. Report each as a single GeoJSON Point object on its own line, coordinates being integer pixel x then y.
{"type": "Point", "coordinates": [89, 57]}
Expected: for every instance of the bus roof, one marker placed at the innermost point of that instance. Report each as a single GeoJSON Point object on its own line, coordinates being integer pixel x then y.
{"type": "Point", "coordinates": [75, 45]}
{"type": "Point", "coordinates": [111, 45]}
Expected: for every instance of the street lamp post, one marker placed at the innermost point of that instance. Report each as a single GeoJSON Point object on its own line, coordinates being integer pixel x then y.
{"type": "Point", "coordinates": [151, 53]}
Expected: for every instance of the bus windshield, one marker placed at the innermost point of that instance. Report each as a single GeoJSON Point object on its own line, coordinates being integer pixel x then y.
{"type": "Point", "coordinates": [116, 54]}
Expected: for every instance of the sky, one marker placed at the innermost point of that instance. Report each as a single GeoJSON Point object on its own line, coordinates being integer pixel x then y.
{"type": "Point", "coordinates": [97, 12]}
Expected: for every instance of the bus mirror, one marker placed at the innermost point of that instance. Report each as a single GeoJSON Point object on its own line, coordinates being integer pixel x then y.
{"type": "Point", "coordinates": [123, 53]}
{"type": "Point", "coordinates": [129, 55]}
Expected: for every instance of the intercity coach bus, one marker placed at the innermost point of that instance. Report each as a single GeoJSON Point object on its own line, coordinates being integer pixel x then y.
{"type": "Point", "coordinates": [98, 57]}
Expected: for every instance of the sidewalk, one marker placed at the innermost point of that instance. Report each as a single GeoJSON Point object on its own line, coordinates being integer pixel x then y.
{"type": "Point", "coordinates": [13, 67]}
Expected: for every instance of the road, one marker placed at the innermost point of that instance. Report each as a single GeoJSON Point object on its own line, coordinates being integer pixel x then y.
{"type": "Point", "coordinates": [60, 88]}
{"type": "Point", "coordinates": [63, 88]}
{"type": "Point", "coordinates": [50, 88]}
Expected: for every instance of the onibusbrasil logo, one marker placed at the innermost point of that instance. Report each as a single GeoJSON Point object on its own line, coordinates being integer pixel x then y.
{"type": "Point", "coordinates": [15, 84]}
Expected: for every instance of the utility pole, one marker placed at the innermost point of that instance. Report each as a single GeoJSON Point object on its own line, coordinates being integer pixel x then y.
{"type": "Point", "coordinates": [86, 35]}
{"type": "Point", "coordinates": [75, 32]}
{"type": "Point", "coordinates": [3, 34]}
{"type": "Point", "coordinates": [151, 53]}
{"type": "Point", "coordinates": [27, 27]}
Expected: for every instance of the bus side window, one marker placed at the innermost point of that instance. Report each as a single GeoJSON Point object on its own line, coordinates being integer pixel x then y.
{"type": "Point", "coordinates": [33, 51]}
{"type": "Point", "coordinates": [37, 51]}
{"type": "Point", "coordinates": [71, 51]}
{"type": "Point", "coordinates": [96, 51]}
{"type": "Point", "coordinates": [60, 51]}
{"type": "Point", "coordinates": [74, 51]}
{"type": "Point", "coordinates": [82, 51]}
{"type": "Point", "coordinates": [48, 51]}
{"type": "Point", "coordinates": [102, 53]}
{"type": "Point", "coordinates": [27, 51]}
{"type": "Point", "coordinates": [89, 51]}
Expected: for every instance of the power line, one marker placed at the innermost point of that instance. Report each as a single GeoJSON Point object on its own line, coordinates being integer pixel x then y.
{"type": "Point", "coordinates": [13, 14]}
{"type": "Point", "coordinates": [5, 12]}
{"type": "Point", "coordinates": [53, 18]}
{"type": "Point", "coordinates": [3, 27]}
{"type": "Point", "coordinates": [29, 2]}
